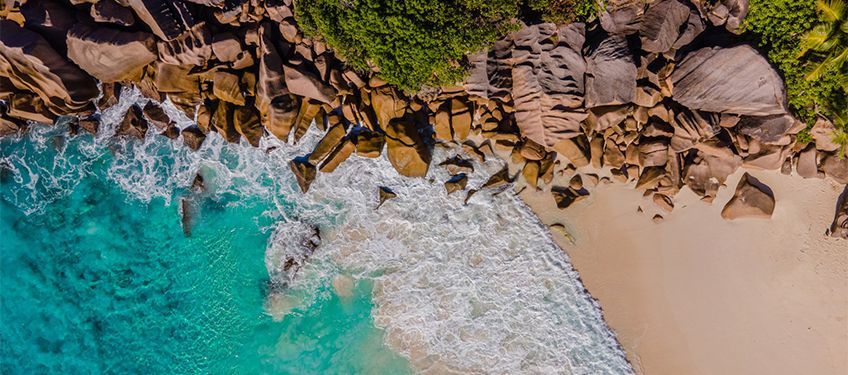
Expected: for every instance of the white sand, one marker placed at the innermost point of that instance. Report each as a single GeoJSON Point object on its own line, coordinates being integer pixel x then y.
{"type": "Point", "coordinates": [697, 294]}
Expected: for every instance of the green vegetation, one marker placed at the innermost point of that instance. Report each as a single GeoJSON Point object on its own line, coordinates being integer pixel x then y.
{"type": "Point", "coordinates": [564, 11]}
{"type": "Point", "coordinates": [780, 28]}
{"type": "Point", "coordinates": [829, 39]}
{"type": "Point", "coordinates": [415, 43]}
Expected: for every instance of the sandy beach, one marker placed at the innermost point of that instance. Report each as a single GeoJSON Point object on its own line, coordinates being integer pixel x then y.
{"type": "Point", "coordinates": [696, 294]}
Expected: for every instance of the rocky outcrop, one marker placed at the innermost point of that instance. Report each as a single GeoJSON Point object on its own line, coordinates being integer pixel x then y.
{"type": "Point", "coordinates": [752, 200]}
{"type": "Point", "coordinates": [111, 55]}
{"type": "Point", "coordinates": [31, 64]}
{"type": "Point", "coordinates": [735, 80]}
{"type": "Point", "coordinates": [658, 92]}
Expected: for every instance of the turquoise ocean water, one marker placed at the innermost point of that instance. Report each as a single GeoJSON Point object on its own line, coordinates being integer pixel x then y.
{"type": "Point", "coordinates": [98, 276]}
{"type": "Point", "coordinates": [96, 280]}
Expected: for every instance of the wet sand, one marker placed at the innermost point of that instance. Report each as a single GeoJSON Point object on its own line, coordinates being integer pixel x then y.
{"type": "Point", "coordinates": [696, 294]}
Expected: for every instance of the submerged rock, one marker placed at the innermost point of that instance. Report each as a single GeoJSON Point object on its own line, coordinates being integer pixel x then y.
{"type": "Point", "coordinates": [134, 124]}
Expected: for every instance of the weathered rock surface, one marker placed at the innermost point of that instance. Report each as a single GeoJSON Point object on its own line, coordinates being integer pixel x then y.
{"type": "Point", "coordinates": [610, 73]}
{"type": "Point", "coordinates": [111, 55]}
{"type": "Point", "coordinates": [734, 80]}
{"type": "Point", "coordinates": [752, 200]}
{"type": "Point", "coordinates": [32, 64]}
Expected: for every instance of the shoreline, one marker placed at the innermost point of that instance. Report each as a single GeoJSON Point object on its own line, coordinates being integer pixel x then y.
{"type": "Point", "coordinates": [696, 294]}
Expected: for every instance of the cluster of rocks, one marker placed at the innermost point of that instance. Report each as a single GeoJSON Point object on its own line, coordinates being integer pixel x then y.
{"type": "Point", "coordinates": [657, 91]}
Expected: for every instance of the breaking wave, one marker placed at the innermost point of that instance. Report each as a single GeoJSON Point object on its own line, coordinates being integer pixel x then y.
{"type": "Point", "coordinates": [480, 288]}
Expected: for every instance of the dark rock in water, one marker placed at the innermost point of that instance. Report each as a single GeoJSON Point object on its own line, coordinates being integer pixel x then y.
{"type": "Point", "coordinates": [193, 137]}
{"type": "Point", "coordinates": [156, 115]}
{"type": "Point", "coordinates": [839, 228]}
{"type": "Point", "coordinates": [753, 199]}
{"type": "Point", "coordinates": [10, 126]}
{"type": "Point", "coordinates": [90, 124]}
{"type": "Point", "coordinates": [111, 55]}
{"type": "Point", "coordinates": [186, 217]}
{"type": "Point", "coordinates": [198, 183]}
{"type": "Point", "coordinates": [384, 195]}
{"type": "Point", "coordinates": [6, 173]}
{"type": "Point", "coordinates": [456, 183]}
{"type": "Point", "coordinates": [468, 196]}
{"type": "Point", "coordinates": [746, 85]}
{"type": "Point", "coordinates": [172, 132]}
{"type": "Point", "coordinates": [304, 171]}
{"type": "Point", "coordinates": [110, 94]}
{"type": "Point", "coordinates": [134, 123]}
{"type": "Point", "coordinates": [498, 180]}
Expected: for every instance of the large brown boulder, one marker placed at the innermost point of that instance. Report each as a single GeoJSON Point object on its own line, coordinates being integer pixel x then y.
{"type": "Point", "coordinates": [33, 65]}
{"type": "Point", "coordinates": [665, 23]}
{"type": "Point", "coordinates": [548, 82]}
{"type": "Point", "coordinates": [111, 55]}
{"type": "Point", "coordinates": [303, 80]}
{"type": "Point", "coordinates": [304, 172]}
{"type": "Point", "coordinates": [822, 133]}
{"type": "Point", "coordinates": [193, 137]}
{"type": "Point", "coordinates": [753, 199]}
{"type": "Point", "coordinates": [406, 149]}
{"type": "Point", "coordinates": [610, 73]}
{"type": "Point", "coordinates": [734, 80]}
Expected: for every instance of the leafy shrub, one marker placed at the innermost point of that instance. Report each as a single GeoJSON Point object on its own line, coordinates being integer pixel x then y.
{"type": "Point", "coordinates": [777, 27]}
{"type": "Point", "coordinates": [418, 42]}
{"type": "Point", "coordinates": [562, 11]}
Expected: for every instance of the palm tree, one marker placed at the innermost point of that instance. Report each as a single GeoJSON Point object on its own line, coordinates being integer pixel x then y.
{"type": "Point", "coordinates": [829, 39]}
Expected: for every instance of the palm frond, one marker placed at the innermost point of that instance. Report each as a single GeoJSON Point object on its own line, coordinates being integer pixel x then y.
{"type": "Point", "coordinates": [811, 40]}
{"type": "Point", "coordinates": [816, 72]}
{"type": "Point", "coordinates": [832, 11]}
{"type": "Point", "coordinates": [840, 59]}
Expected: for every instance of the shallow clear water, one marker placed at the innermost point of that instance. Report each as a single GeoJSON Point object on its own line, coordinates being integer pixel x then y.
{"type": "Point", "coordinates": [98, 276]}
{"type": "Point", "coordinates": [99, 281]}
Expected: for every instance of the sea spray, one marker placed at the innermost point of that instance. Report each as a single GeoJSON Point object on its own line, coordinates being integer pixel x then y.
{"type": "Point", "coordinates": [476, 288]}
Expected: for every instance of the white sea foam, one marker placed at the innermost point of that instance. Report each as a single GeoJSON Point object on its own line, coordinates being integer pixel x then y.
{"type": "Point", "coordinates": [474, 289]}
